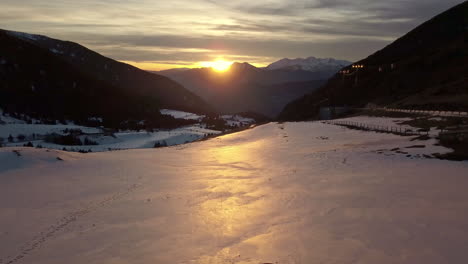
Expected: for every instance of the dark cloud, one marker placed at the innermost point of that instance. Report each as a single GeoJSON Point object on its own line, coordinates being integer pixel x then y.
{"type": "Point", "coordinates": [390, 9]}
{"type": "Point", "coordinates": [360, 27]}
{"type": "Point", "coordinates": [252, 27]}
{"type": "Point", "coordinates": [351, 27]}
{"type": "Point", "coordinates": [198, 30]}
{"type": "Point", "coordinates": [368, 18]}
{"type": "Point", "coordinates": [122, 47]}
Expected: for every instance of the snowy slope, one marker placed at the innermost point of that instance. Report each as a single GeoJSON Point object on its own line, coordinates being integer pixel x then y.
{"type": "Point", "coordinates": [308, 64]}
{"type": "Point", "coordinates": [279, 193]}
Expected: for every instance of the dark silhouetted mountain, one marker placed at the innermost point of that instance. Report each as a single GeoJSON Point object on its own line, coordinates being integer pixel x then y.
{"type": "Point", "coordinates": [248, 88]}
{"type": "Point", "coordinates": [171, 71]}
{"type": "Point", "coordinates": [426, 68]}
{"type": "Point", "coordinates": [45, 77]}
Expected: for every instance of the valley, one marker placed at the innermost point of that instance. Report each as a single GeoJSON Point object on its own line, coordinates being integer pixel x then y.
{"type": "Point", "coordinates": [234, 132]}
{"type": "Point", "coordinates": [266, 195]}
{"type": "Point", "coordinates": [68, 136]}
{"type": "Point", "coordinates": [246, 88]}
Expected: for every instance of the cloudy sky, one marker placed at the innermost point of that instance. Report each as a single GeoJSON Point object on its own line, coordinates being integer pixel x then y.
{"type": "Point", "coordinates": [159, 34]}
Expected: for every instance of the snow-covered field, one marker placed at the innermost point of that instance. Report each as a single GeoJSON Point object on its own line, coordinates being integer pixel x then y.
{"type": "Point", "coordinates": [428, 112]}
{"type": "Point", "coordinates": [391, 122]}
{"type": "Point", "coordinates": [14, 127]}
{"type": "Point", "coordinates": [134, 140]}
{"type": "Point", "coordinates": [181, 114]}
{"type": "Point", "coordinates": [278, 193]}
{"type": "Point", "coordinates": [120, 140]}
{"type": "Point", "coordinates": [380, 121]}
{"type": "Point", "coordinates": [35, 133]}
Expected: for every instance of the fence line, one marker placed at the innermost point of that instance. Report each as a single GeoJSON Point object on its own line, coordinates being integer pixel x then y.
{"type": "Point", "coordinates": [430, 112]}
{"type": "Point", "coordinates": [377, 128]}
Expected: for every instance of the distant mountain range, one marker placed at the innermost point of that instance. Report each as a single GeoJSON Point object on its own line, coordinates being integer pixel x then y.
{"type": "Point", "coordinates": [264, 90]}
{"type": "Point", "coordinates": [49, 78]}
{"type": "Point", "coordinates": [311, 64]}
{"type": "Point", "coordinates": [426, 68]}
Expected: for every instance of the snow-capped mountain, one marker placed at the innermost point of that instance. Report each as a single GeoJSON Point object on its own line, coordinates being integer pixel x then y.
{"type": "Point", "coordinates": [308, 64]}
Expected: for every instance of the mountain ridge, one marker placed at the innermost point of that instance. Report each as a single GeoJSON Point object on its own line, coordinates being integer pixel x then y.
{"type": "Point", "coordinates": [101, 67]}
{"type": "Point", "coordinates": [40, 77]}
{"type": "Point", "coordinates": [245, 87]}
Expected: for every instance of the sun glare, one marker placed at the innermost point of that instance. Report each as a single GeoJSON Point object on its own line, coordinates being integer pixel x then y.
{"type": "Point", "coordinates": [217, 65]}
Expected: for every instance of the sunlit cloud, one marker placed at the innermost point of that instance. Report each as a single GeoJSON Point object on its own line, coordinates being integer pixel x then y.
{"type": "Point", "coordinates": [158, 34]}
{"type": "Point", "coordinates": [160, 65]}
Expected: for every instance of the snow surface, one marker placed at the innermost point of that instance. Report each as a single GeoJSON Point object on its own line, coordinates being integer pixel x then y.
{"type": "Point", "coordinates": [181, 115]}
{"type": "Point", "coordinates": [138, 140]}
{"type": "Point", "coordinates": [14, 127]}
{"type": "Point", "coordinates": [308, 64]}
{"type": "Point", "coordinates": [278, 193]}
{"type": "Point", "coordinates": [379, 121]}
{"type": "Point", "coordinates": [119, 141]}
{"type": "Point", "coordinates": [122, 140]}
{"type": "Point", "coordinates": [389, 122]}
{"type": "Point", "coordinates": [9, 120]}
{"type": "Point", "coordinates": [428, 112]}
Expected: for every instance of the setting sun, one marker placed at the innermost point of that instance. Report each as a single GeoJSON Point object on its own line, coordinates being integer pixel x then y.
{"type": "Point", "coordinates": [218, 65]}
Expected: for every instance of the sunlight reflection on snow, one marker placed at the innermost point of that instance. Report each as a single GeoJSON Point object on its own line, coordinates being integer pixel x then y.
{"type": "Point", "coordinates": [233, 204]}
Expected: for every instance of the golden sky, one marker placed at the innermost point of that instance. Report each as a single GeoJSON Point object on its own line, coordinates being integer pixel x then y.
{"type": "Point", "coordinates": [156, 34]}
